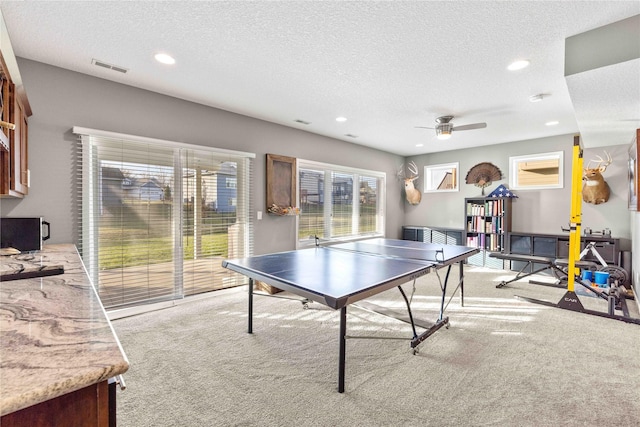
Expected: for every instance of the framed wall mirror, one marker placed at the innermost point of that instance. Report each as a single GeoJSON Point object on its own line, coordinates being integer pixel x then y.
{"type": "Point", "coordinates": [441, 178]}
{"type": "Point", "coordinates": [536, 171]}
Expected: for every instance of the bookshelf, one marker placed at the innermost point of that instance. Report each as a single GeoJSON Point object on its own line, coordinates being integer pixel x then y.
{"type": "Point", "coordinates": [487, 222]}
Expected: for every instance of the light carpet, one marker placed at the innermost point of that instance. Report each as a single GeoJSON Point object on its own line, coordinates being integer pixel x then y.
{"type": "Point", "coordinates": [502, 362]}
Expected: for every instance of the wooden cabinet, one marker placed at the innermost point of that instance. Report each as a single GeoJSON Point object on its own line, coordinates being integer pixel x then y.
{"type": "Point", "coordinates": [92, 406]}
{"type": "Point", "coordinates": [18, 147]}
{"type": "Point", "coordinates": [5, 97]}
{"type": "Point", "coordinates": [14, 168]}
{"type": "Point", "coordinates": [67, 378]}
{"type": "Point", "coordinates": [488, 220]}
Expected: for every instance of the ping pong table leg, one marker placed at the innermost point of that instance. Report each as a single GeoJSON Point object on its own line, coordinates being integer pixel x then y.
{"type": "Point", "coordinates": [341, 361]}
{"type": "Point", "coordinates": [461, 279]}
{"type": "Point", "coordinates": [250, 325]}
{"type": "Point", "coordinates": [406, 300]}
{"type": "Point", "coordinates": [444, 292]}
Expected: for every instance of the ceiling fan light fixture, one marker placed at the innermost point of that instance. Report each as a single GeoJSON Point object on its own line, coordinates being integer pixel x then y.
{"type": "Point", "coordinates": [443, 130]}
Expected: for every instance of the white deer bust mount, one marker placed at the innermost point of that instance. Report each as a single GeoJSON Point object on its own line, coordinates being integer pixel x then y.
{"type": "Point", "coordinates": [595, 189]}
{"type": "Point", "coordinates": [412, 194]}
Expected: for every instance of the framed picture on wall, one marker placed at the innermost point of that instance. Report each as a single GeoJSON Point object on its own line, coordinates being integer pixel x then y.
{"type": "Point", "coordinates": [634, 176]}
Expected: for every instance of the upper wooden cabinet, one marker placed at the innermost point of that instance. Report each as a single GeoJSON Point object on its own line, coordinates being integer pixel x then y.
{"type": "Point", "coordinates": [14, 110]}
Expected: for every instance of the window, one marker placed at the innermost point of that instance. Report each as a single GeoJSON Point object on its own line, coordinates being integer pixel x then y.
{"type": "Point", "coordinates": [537, 171]}
{"type": "Point", "coordinates": [158, 217]}
{"type": "Point", "coordinates": [439, 178]}
{"type": "Point", "coordinates": [338, 203]}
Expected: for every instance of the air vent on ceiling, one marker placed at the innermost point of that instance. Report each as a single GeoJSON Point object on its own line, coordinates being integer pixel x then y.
{"type": "Point", "coordinates": [109, 66]}
{"type": "Point", "coordinates": [350, 135]}
{"type": "Point", "coordinates": [302, 121]}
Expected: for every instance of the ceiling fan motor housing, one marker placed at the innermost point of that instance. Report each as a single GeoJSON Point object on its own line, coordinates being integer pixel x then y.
{"type": "Point", "coordinates": [444, 119]}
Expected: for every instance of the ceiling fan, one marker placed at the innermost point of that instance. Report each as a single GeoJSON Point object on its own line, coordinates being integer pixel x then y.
{"type": "Point", "coordinates": [444, 127]}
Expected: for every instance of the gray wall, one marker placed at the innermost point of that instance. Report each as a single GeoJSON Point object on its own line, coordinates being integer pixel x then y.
{"type": "Point", "coordinates": [534, 211]}
{"type": "Point", "coordinates": [61, 99]}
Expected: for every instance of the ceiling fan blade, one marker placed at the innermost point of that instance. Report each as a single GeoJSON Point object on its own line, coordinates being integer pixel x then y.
{"type": "Point", "coordinates": [423, 127]}
{"type": "Point", "coordinates": [471, 126]}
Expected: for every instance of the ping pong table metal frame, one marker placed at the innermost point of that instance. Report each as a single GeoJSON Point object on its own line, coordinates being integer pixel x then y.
{"type": "Point", "coordinates": [342, 303]}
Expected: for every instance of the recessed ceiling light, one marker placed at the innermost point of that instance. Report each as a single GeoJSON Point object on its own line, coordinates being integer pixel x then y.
{"type": "Point", "coordinates": [341, 119]}
{"type": "Point", "coordinates": [552, 123]}
{"type": "Point", "coordinates": [419, 145]}
{"type": "Point", "coordinates": [165, 59]}
{"type": "Point", "coordinates": [518, 65]}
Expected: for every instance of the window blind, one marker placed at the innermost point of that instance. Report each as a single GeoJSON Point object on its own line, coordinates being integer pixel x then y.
{"type": "Point", "coordinates": [369, 208]}
{"type": "Point", "coordinates": [342, 204]}
{"type": "Point", "coordinates": [339, 202]}
{"type": "Point", "coordinates": [157, 217]}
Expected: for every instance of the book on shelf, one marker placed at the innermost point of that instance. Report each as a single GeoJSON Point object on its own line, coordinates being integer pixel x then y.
{"type": "Point", "coordinates": [488, 208]}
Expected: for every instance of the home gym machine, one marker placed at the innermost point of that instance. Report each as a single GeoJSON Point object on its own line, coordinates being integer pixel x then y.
{"type": "Point", "coordinates": [615, 294]}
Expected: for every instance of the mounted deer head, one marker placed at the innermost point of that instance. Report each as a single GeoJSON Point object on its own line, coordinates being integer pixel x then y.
{"type": "Point", "coordinates": [412, 194]}
{"type": "Point", "coordinates": [595, 189]}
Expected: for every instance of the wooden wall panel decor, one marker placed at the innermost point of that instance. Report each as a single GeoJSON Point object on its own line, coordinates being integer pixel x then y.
{"type": "Point", "coordinates": [634, 175]}
{"type": "Point", "coordinates": [281, 184]}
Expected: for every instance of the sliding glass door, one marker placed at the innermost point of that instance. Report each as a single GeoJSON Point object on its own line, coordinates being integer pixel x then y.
{"type": "Point", "coordinates": [158, 219]}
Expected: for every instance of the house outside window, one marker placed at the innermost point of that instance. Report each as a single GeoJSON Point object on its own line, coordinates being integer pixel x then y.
{"type": "Point", "coordinates": [339, 203]}
{"type": "Point", "coordinates": [158, 217]}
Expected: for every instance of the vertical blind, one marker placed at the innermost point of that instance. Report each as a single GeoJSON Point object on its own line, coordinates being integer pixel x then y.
{"type": "Point", "coordinates": [157, 218]}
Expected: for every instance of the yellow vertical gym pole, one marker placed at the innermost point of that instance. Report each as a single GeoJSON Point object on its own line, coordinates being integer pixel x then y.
{"type": "Point", "coordinates": [576, 214]}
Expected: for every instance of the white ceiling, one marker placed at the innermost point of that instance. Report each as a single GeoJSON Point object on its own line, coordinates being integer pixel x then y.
{"type": "Point", "coordinates": [386, 66]}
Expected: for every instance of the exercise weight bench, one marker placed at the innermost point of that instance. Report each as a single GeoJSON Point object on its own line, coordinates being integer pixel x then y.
{"type": "Point", "coordinates": [546, 262]}
{"type": "Point", "coordinates": [615, 295]}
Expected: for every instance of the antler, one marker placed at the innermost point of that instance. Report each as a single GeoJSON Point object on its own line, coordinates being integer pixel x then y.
{"type": "Point", "coordinates": [600, 160]}
{"type": "Point", "coordinates": [413, 169]}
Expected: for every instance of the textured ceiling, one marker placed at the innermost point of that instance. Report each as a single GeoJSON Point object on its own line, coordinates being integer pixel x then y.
{"type": "Point", "coordinates": [386, 66]}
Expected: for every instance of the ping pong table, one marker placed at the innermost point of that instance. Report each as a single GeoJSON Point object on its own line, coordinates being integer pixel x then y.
{"type": "Point", "coordinates": [342, 274]}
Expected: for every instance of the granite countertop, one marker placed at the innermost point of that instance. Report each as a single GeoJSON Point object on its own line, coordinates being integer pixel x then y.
{"type": "Point", "coordinates": [55, 336]}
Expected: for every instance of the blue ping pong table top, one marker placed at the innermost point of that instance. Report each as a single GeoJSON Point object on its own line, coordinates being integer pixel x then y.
{"type": "Point", "coordinates": [342, 274]}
